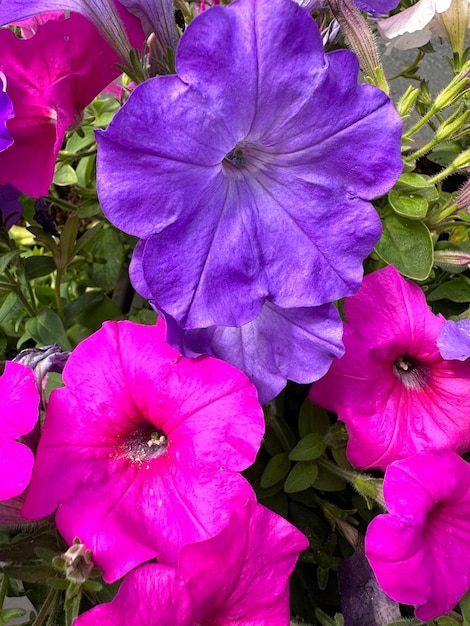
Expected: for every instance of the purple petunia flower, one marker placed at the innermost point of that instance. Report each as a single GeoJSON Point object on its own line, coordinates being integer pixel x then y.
{"type": "Point", "coordinates": [141, 449]}
{"type": "Point", "coordinates": [6, 113]}
{"type": "Point", "coordinates": [19, 410]}
{"type": "Point", "coordinates": [395, 393]}
{"type": "Point", "coordinates": [454, 340]}
{"type": "Point", "coordinates": [238, 577]}
{"type": "Point", "coordinates": [248, 174]}
{"type": "Point", "coordinates": [420, 550]}
{"type": "Point", "coordinates": [279, 344]}
{"type": "Point", "coordinates": [11, 209]}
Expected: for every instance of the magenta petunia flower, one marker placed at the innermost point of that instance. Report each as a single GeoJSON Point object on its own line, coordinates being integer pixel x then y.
{"type": "Point", "coordinates": [279, 344]}
{"type": "Point", "coordinates": [255, 164]}
{"type": "Point", "coordinates": [141, 448]}
{"type": "Point", "coordinates": [454, 340]}
{"type": "Point", "coordinates": [51, 78]}
{"type": "Point", "coordinates": [19, 409]}
{"type": "Point", "coordinates": [109, 17]}
{"type": "Point", "coordinates": [6, 113]}
{"type": "Point", "coordinates": [238, 577]}
{"type": "Point", "coordinates": [393, 390]}
{"type": "Point", "coordinates": [420, 550]}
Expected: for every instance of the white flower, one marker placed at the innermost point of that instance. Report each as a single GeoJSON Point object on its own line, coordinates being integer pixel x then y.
{"type": "Point", "coordinates": [413, 27]}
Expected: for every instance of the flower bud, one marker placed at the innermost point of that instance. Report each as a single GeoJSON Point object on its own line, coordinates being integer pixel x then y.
{"type": "Point", "coordinates": [77, 563]}
{"type": "Point", "coordinates": [455, 22]}
{"type": "Point", "coordinates": [407, 102]}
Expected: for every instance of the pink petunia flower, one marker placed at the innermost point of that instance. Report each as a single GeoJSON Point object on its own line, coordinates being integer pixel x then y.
{"type": "Point", "coordinates": [52, 77]}
{"type": "Point", "coordinates": [142, 447]}
{"type": "Point", "coordinates": [420, 550]}
{"type": "Point", "coordinates": [19, 401]}
{"type": "Point", "coordinates": [238, 577]}
{"type": "Point", "coordinates": [394, 391]}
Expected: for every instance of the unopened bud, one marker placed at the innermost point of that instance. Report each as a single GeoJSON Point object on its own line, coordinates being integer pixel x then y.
{"type": "Point", "coordinates": [407, 101]}
{"type": "Point", "coordinates": [77, 563]}
{"type": "Point", "coordinates": [462, 161]}
{"type": "Point", "coordinates": [463, 197]}
{"type": "Point", "coordinates": [43, 360]}
{"type": "Point", "coordinates": [454, 90]}
{"type": "Point", "coordinates": [361, 40]}
{"type": "Point", "coordinates": [456, 258]}
{"type": "Point", "coordinates": [450, 126]}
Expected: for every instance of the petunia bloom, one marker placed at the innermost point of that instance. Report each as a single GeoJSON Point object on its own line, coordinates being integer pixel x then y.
{"type": "Point", "coordinates": [107, 16]}
{"type": "Point", "coordinates": [255, 164]}
{"type": "Point", "coordinates": [413, 27]}
{"type": "Point", "coordinates": [238, 577]}
{"type": "Point", "coordinates": [52, 76]}
{"type": "Point", "coordinates": [420, 550]}
{"type": "Point", "coordinates": [19, 409]}
{"type": "Point", "coordinates": [454, 340]}
{"type": "Point", "coordinates": [6, 113]}
{"type": "Point", "coordinates": [279, 344]}
{"type": "Point", "coordinates": [394, 391]}
{"type": "Point", "coordinates": [141, 449]}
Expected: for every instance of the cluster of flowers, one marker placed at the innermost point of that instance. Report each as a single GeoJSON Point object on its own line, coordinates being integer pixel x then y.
{"type": "Point", "coordinates": [403, 390]}
{"type": "Point", "coordinates": [256, 162]}
{"type": "Point", "coordinates": [144, 464]}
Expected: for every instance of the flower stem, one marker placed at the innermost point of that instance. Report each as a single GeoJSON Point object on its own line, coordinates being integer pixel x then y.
{"type": "Point", "coordinates": [48, 602]}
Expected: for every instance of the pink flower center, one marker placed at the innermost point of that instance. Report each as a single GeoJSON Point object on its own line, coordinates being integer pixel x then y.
{"type": "Point", "coordinates": [412, 373]}
{"type": "Point", "coordinates": [145, 443]}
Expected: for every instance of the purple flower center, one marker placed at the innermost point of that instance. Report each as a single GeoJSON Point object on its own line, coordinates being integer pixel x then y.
{"type": "Point", "coordinates": [246, 157]}
{"type": "Point", "coordinates": [412, 373]}
{"type": "Point", "coordinates": [145, 443]}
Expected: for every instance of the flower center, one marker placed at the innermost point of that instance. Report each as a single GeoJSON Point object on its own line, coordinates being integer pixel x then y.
{"type": "Point", "coordinates": [145, 443]}
{"type": "Point", "coordinates": [235, 156]}
{"type": "Point", "coordinates": [412, 373]}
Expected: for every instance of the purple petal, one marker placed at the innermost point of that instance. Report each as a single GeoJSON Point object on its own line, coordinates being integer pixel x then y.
{"type": "Point", "coordinates": [238, 153]}
{"type": "Point", "coordinates": [10, 209]}
{"type": "Point", "coordinates": [454, 340]}
{"type": "Point", "coordinates": [6, 113]}
{"type": "Point", "coordinates": [280, 344]}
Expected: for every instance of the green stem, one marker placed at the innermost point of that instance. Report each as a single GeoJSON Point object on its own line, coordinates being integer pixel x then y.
{"type": "Point", "coordinates": [420, 123]}
{"type": "Point", "coordinates": [58, 300]}
{"type": "Point", "coordinates": [62, 203]}
{"type": "Point", "coordinates": [3, 590]}
{"type": "Point", "coordinates": [41, 616]}
{"type": "Point", "coordinates": [31, 310]}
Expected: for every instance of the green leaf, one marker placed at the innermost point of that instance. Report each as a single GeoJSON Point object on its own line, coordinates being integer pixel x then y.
{"type": "Point", "coordinates": [87, 236]}
{"type": "Point", "coordinates": [8, 304]}
{"type": "Point", "coordinates": [408, 204]}
{"type": "Point", "coordinates": [455, 290]}
{"type": "Point", "coordinates": [64, 175]}
{"type": "Point", "coordinates": [6, 259]}
{"type": "Point", "coordinates": [68, 238]}
{"type": "Point", "coordinates": [54, 381]}
{"type": "Point", "coordinates": [8, 614]}
{"type": "Point", "coordinates": [465, 608]}
{"type": "Point", "coordinates": [309, 448]}
{"type": "Point", "coordinates": [47, 328]}
{"type": "Point", "coordinates": [416, 181]}
{"type": "Point", "coordinates": [312, 419]}
{"type": "Point", "coordinates": [302, 476]}
{"type": "Point", "coordinates": [407, 245]}
{"type": "Point", "coordinates": [38, 266]}
{"type": "Point", "coordinates": [275, 470]}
